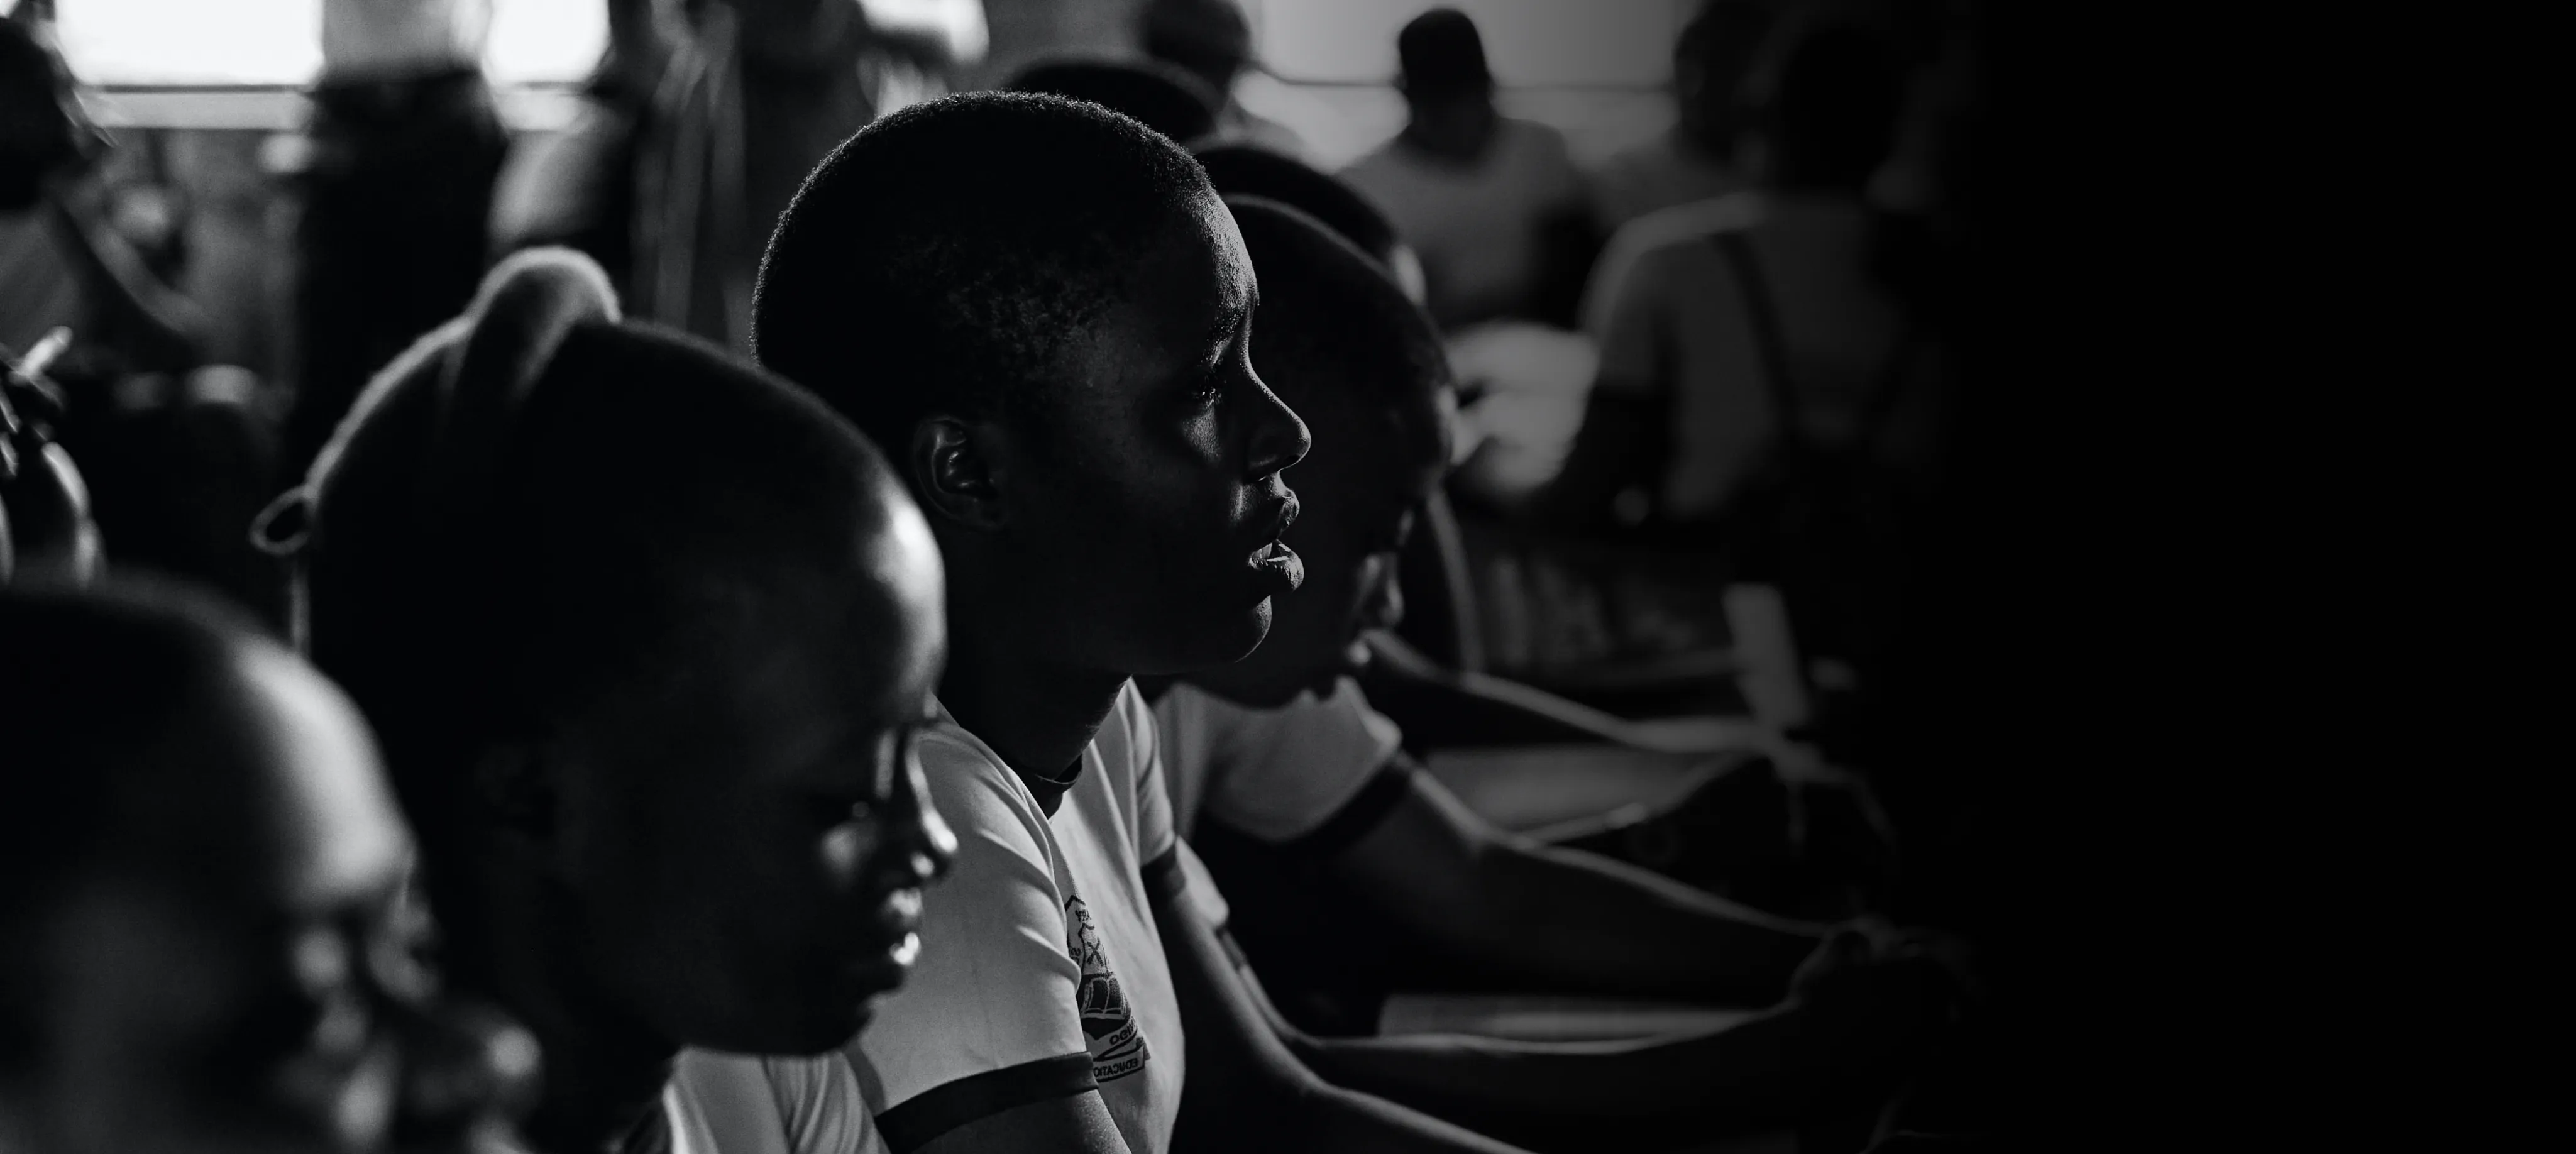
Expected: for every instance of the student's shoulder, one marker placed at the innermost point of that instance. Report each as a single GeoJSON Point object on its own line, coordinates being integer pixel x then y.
{"type": "Point", "coordinates": [971, 784]}
{"type": "Point", "coordinates": [1645, 249]}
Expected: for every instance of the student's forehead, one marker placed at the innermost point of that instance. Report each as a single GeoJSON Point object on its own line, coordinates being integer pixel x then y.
{"type": "Point", "coordinates": [1237, 287]}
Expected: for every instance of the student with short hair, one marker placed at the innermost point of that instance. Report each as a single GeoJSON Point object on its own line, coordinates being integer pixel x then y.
{"type": "Point", "coordinates": [204, 940]}
{"type": "Point", "coordinates": [649, 635]}
{"type": "Point", "coordinates": [1046, 312]}
{"type": "Point", "coordinates": [1346, 863]}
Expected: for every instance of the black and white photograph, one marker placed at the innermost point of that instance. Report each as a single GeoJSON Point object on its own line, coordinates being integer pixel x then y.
{"type": "Point", "coordinates": [1036, 577]}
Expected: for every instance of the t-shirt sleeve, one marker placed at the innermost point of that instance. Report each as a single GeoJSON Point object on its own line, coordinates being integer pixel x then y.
{"type": "Point", "coordinates": [819, 1100]}
{"type": "Point", "coordinates": [988, 1020]}
{"type": "Point", "coordinates": [1287, 770]}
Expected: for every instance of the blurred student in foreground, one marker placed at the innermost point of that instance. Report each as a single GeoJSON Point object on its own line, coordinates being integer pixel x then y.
{"type": "Point", "coordinates": [205, 940]}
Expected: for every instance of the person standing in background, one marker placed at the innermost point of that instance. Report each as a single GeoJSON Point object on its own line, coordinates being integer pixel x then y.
{"type": "Point", "coordinates": [1493, 204]}
{"type": "Point", "coordinates": [396, 180]}
{"type": "Point", "coordinates": [705, 119]}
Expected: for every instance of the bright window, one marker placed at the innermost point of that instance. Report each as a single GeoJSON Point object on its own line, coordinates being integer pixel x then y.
{"type": "Point", "coordinates": [1528, 43]}
{"type": "Point", "coordinates": [145, 43]}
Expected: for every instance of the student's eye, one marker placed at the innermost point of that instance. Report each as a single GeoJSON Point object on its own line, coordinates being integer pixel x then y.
{"type": "Point", "coordinates": [1210, 390]}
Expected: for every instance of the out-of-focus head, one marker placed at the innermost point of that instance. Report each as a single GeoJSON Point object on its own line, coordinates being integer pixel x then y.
{"type": "Point", "coordinates": [1828, 114]}
{"type": "Point", "coordinates": [43, 129]}
{"type": "Point", "coordinates": [1365, 367]}
{"type": "Point", "coordinates": [1210, 38]}
{"type": "Point", "coordinates": [1712, 58]}
{"type": "Point", "coordinates": [1448, 90]}
{"type": "Point", "coordinates": [1251, 170]}
{"type": "Point", "coordinates": [1159, 96]}
{"type": "Point", "coordinates": [1044, 310]}
{"type": "Point", "coordinates": [647, 631]}
{"type": "Point", "coordinates": [204, 938]}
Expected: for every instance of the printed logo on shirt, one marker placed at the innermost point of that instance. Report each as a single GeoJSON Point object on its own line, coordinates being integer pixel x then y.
{"type": "Point", "coordinates": [1108, 1021]}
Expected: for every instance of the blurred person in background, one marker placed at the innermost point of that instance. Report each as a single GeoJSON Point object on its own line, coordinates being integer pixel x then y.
{"type": "Point", "coordinates": [394, 177]}
{"type": "Point", "coordinates": [178, 453]}
{"type": "Point", "coordinates": [207, 945]}
{"type": "Point", "coordinates": [705, 118]}
{"type": "Point", "coordinates": [1768, 404]}
{"type": "Point", "coordinates": [1212, 40]}
{"type": "Point", "coordinates": [1493, 204]}
{"type": "Point", "coordinates": [1697, 157]}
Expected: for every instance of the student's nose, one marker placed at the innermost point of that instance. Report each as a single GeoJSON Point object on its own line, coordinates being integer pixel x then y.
{"type": "Point", "coordinates": [1279, 437]}
{"type": "Point", "coordinates": [919, 843]}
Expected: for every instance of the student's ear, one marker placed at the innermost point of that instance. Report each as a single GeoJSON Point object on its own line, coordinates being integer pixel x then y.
{"type": "Point", "coordinates": [513, 787]}
{"type": "Point", "coordinates": [956, 467]}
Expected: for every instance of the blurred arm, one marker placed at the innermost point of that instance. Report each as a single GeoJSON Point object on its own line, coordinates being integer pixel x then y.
{"type": "Point", "coordinates": [1247, 1090]}
{"type": "Point", "coordinates": [1562, 919]}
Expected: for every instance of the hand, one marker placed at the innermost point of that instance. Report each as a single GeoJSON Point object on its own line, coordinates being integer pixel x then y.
{"type": "Point", "coordinates": [400, 36]}
{"type": "Point", "coordinates": [1871, 940]}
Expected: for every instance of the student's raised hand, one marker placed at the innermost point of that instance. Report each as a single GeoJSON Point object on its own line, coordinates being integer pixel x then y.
{"type": "Point", "coordinates": [396, 37]}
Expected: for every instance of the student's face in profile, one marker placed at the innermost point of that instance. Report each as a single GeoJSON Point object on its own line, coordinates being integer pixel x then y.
{"type": "Point", "coordinates": [1149, 506]}
{"type": "Point", "coordinates": [1364, 486]}
{"type": "Point", "coordinates": [243, 980]}
{"type": "Point", "coordinates": [749, 848]}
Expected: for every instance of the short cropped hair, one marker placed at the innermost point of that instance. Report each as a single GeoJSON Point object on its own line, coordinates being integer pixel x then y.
{"type": "Point", "coordinates": [1251, 170]}
{"type": "Point", "coordinates": [1163, 97]}
{"type": "Point", "coordinates": [942, 258]}
{"type": "Point", "coordinates": [1331, 317]}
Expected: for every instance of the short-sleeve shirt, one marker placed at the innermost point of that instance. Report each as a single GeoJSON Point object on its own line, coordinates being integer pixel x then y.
{"type": "Point", "coordinates": [1475, 226]}
{"type": "Point", "coordinates": [739, 1104]}
{"type": "Point", "coordinates": [1273, 774]}
{"type": "Point", "coordinates": [1042, 972]}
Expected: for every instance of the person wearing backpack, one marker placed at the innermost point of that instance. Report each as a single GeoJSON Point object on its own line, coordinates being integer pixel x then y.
{"type": "Point", "coordinates": [1764, 410]}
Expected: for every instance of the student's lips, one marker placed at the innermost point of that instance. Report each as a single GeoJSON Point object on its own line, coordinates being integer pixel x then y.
{"type": "Point", "coordinates": [1278, 564]}
{"type": "Point", "coordinates": [1274, 561]}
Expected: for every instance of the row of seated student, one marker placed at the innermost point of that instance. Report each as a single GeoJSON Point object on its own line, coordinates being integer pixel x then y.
{"type": "Point", "coordinates": [805, 767]}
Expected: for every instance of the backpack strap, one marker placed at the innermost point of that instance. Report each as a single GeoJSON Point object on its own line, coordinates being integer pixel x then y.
{"type": "Point", "coordinates": [1771, 348]}
{"type": "Point", "coordinates": [1768, 345]}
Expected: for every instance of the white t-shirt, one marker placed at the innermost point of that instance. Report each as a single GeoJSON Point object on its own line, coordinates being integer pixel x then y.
{"type": "Point", "coordinates": [739, 1104]}
{"type": "Point", "coordinates": [1042, 971]}
{"type": "Point", "coordinates": [1273, 774]}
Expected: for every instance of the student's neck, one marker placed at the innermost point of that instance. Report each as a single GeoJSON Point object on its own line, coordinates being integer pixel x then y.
{"type": "Point", "coordinates": [1038, 715]}
{"type": "Point", "coordinates": [604, 1072]}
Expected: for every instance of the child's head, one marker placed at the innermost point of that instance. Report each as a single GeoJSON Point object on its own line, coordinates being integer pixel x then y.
{"type": "Point", "coordinates": [646, 632]}
{"type": "Point", "coordinates": [1045, 314]}
{"type": "Point", "coordinates": [1251, 170]}
{"type": "Point", "coordinates": [1366, 369]}
{"type": "Point", "coordinates": [203, 940]}
{"type": "Point", "coordinates": [1160, 96]}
